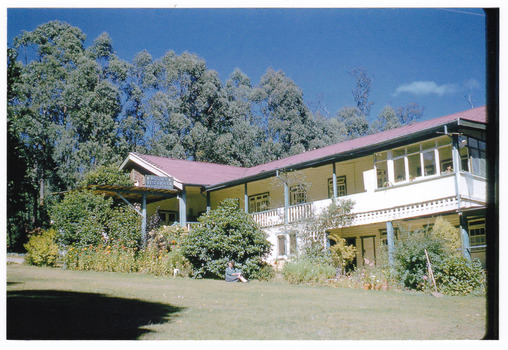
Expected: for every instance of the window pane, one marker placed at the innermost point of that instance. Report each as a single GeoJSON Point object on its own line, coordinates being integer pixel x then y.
{"type": "Point", "coordinates": [400, 170]}
{"type": "Point", "coordinates": [415, 168]}
{"type": "Point", "coordinates": [281, 242]}
{"type": "Point", "coordinates": [382, 177]}
{"type": "Point", "coordinates": [482, 145]}
{"type": "Point", "coordinates": [413, 149]}
{"type": "Point", "coordinates": [398, 152]}
{"type": "Point", "coordinates": [444, 140]}
{"type": "Point", "coordinates": [428, 144]}
{"type": "Point", "coordinates": [473, 142]}
{"type": "Point", "coordinates": [445, 159]}
{"type": "Point", "coordinates": [341, 186]}
{"type": "Point", "coordinates": [429, 162]}
{"type": "Point", "coordinates": [464, 159]}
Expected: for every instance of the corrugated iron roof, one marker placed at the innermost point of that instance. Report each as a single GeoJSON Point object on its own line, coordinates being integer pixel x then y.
{"type": "Point", "coordinates": [201, 173]}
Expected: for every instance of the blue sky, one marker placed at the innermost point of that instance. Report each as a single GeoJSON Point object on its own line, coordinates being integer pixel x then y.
{"type": "Point", "coordinates": [429, 56]}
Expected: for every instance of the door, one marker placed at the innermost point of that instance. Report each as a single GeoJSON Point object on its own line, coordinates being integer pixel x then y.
{"type": "Point", "coordinates": [369, 249]}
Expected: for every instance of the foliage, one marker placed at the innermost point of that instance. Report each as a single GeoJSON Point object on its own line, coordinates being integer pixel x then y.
{"type": "Point", "coordinates": [410, 259]}
{"type": "Point", "coordinates": [361, 92]}
{"type": "Point", "coordinates": [304, 271]}
{"type": "Point", "coordinates": [341, 253]}
{"type": "Point", "coordinates": [123, 226]}
{"type": "Point", "coordinates": [107, 175]}
{"type": "Point", "coordinates": [84, 218]}
{"type": "Point", "coordinates": [224, 234]}
{"type": "Point", "coordinates": [42, 249]}
{"type": "Point", "coordinates": [103, 257]}
{"type": "Point", "coordinates": [449, 234]}
{"type": "Point", "coordinates": [313, 231]}
{"type": "Point", "coordinates": [116, 257]}
{"type": "Point", "coordinates": [459, 276]}
{"type": "Point", "coordinates": [81, 218]}
{"type": "Point", "coordinates": [386, 120]}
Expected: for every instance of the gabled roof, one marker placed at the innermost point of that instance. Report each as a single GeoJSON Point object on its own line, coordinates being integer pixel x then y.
{"type": "Point", "coordinates": [217, 175]}
{"type": "Point", "coordinates": [191, 172]}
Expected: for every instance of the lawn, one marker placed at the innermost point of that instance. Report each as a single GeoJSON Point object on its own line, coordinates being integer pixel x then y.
{"type": "Point", "coordinates": [51, 303]}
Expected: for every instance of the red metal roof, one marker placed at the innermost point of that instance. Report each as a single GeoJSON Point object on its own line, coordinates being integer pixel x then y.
{"type": "Point", "coordinates": [191, 172]}
{"type": "Point", "coordinates": [196, 173]}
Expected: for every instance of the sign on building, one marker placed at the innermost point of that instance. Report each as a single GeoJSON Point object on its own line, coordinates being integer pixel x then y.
{"type": "Point", "coordinates": [159, 182]}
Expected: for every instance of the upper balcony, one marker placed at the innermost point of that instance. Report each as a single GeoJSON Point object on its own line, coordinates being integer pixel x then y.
{"type": "Point", "coordinates": [425, 196]}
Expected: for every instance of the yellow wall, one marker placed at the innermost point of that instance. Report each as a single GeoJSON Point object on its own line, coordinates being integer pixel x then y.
{"type": "Point", "coordinates": [315, 178]}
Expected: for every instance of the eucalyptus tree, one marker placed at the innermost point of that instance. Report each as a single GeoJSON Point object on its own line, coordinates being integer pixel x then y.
{"type": "Point", "coordinates": [386, 120]}
{"type": "Point", "coordinates": [361, 92]}
{"type": "Point", "coordinates": [48, 56]}
{"type": "Point", "coordinates": [355, 123]}
{"type": "Point", "coordinates": [238, 143]}
{"type": "Point", "coordinates": [287, 121]}
{"type": "Point", "coordinates": [410, 113]}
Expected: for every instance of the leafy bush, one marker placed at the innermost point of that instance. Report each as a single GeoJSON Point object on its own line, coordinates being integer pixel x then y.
{"type": "Point", "coordinates": [84, 218]}
{"type": "Point", "coordinates": [123, 226]}
{"type": "Point", "coordinates": [341, 253]}
{"type": "Point", "coordinates": [42, 249]}
{"type": "Point", "coordinates": [107, 175]}
{"type": "Point", "coordinates": [459, 276]}
{"type": "Point", "coordinates": [410, 259]}
{"type": "Point", "coordinates": [81, 218]}
{"type": "Point", "coordinates": [304, 271]}
{"type": "Point", "coordinates": [224, 234]}
{"type": "Point", "coordinates": [448, 234]}
{"type": "Point", "coordinates": [111, 258]}
{"type": "Point", "coordinates": [313, 231]}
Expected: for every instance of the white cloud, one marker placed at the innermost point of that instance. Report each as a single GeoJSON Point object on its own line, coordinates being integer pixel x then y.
{"type": "Point", "coordinates": [426, 88]}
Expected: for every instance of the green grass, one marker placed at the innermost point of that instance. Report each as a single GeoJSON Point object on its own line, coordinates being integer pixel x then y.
{"type": "Point", "coordinates": [50, 303]}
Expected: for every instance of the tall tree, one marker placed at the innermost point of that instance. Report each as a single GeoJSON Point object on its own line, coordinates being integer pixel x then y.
{"type": "Point", "coordinates": [287, 120]}
{"type": "Point", "coordinates": [361, 92]}
{"type": "Point", "coordinates": [355, 123]}
{"type": "Point", "coordinates": [386, 120]}
{"type": "Point", "coordinates": [410, 113]}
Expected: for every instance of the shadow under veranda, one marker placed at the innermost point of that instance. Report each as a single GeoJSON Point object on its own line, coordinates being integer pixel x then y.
{"type": "Point", "coordinates": [64, 315]}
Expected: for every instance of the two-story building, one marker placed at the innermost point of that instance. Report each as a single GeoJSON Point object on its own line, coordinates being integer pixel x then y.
{"type": "Point", "coordinates": [405, 176]}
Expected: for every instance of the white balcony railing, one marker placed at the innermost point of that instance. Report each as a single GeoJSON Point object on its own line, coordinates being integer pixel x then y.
{"type": "Point", "coordinates": [427, 196]}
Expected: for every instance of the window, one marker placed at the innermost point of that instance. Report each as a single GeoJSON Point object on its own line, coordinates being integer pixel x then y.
{"type": "Point", "coordinates": [384, 235]}
{"type": "Point", "coordinates": [259, 202]}
{"type": "Point", "coordinates": [341, 186]}
{"type": "Point", "coordinates": [381, 169]}
{"type": "Point", "coordinates": [400, 169]}
{"type": "Point", "coordinates": [473, 155]}
{"type": "Point", "coordinates": [297, 195]}
{"type": "Point", "coordinates": [281, 245]}
{"type": "Point", "coordinates": [429, 163]}
{"type": "Point", "coordinates": [445, 158]}
{"type": "Point", "coordinates": [477, 235]}
{"type": "Point", "coordinates": [167, 217]}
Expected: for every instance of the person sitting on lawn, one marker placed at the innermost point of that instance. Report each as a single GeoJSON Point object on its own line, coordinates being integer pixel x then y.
{"type": "Point", "coordinates": [233, 274]}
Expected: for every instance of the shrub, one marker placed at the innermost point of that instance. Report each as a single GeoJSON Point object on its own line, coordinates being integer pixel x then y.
{"type": "Point", "coordinates": [410, 259]}
{"type": "Point", "coordinates": [447, 233]}
{"type": "Point", "coordinates": [459, 276]}
{"type": "Point", "coordinates": [123, 227]}
{"type": "Point", "coordinates": [341, 253]}
{"type": "Point", "coordinates": [224, 234]}
{"type": "Point", "coordinates": [304, 271]}
{"type": "Point", "coordinates": [81, 218]}
{"type": "Point", "coordinates": [41, 248]}
{"type": "Point", "coordinates": [111, 258]}
{"type": "Point", "coordinates": [107, 175]}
